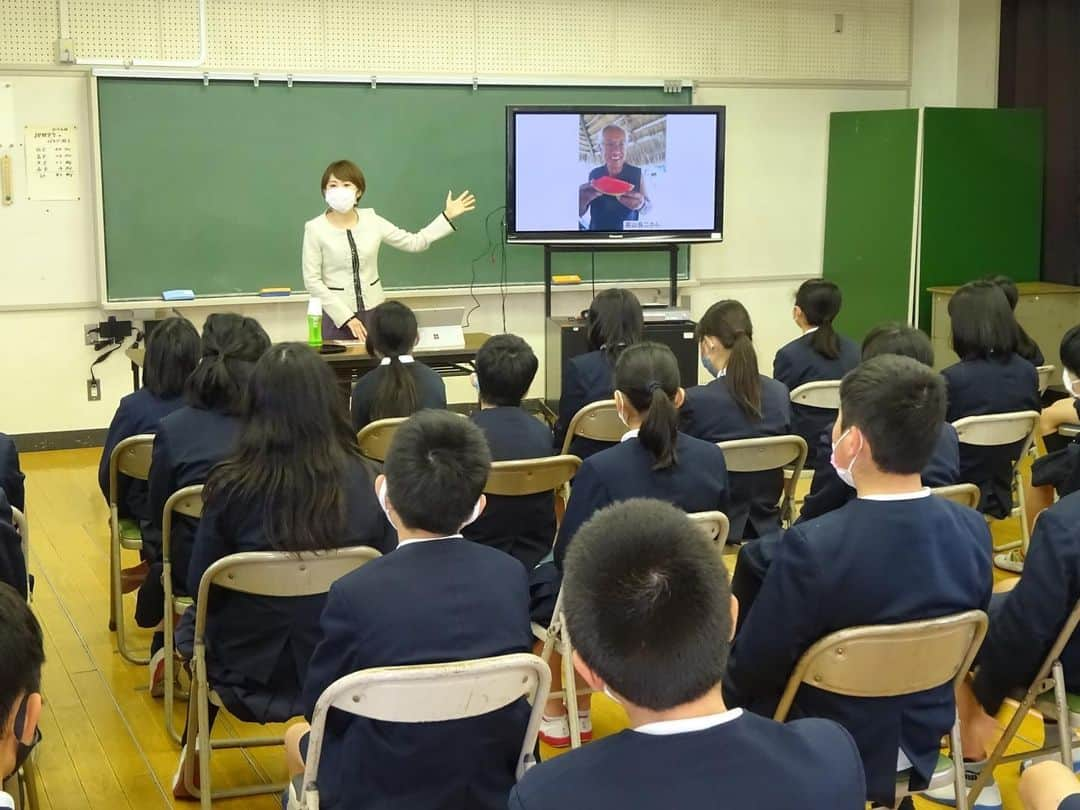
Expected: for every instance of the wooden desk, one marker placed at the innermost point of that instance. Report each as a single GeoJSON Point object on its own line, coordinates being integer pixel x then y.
{"type": "Point", "coordinates": [354, 361]}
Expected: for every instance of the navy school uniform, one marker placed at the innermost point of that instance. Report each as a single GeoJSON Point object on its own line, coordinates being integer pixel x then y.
{"type": "Point", "coordinates": [138, 412]}
{"type": "Point", "coordinates": [1031, 616]}
{"type": "Point", "coordinates": [711, 413]}
{"type": "Point", "coordinates": [978, 387]}
{"type": "Point", "coordinates": [12, 561]}
{"type": "Point", "coordinates": [798, 363]}
{"type": "Point", "coordinates": [523, 526]}
{"type": "Point", "coordinates": [189, 443]}
{"type": "Point", "coordinates": [258, 647]}
{"type": "Point", "coordinates": [430, 391]}
{"type": "Point", "coordinates": [11, 476]}
{"type": "Point", "coordinates": [828, 492]}
{"type": "Point", "coordinates": [869, 562]}
{"type": "Point", "coordinates": [747, 761]}
{"type": "Point", "coordinates": [588, 378]}
{"type": "Point", "coordinates": [427, 602]}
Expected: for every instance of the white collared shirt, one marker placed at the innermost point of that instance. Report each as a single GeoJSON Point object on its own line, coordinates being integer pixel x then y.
{"type": "Point", "coordinates": [410, 540]}
{"type": "Point", "coordinates": [630, 434]}
{"type": "Point", "coordinates": [404, 358]}
{"type": "Point", "coordinates": [810, 329]}
{"type": "Point", "coordinates": [898, 496]}
{"type": "Point", "coordinates": [663, 728]}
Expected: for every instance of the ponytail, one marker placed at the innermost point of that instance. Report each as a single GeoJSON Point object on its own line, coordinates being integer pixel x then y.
{"type": "Point", "coordinates": [823, 341]}
{"type": "Point", "coordinates": [396, 393]}
{"type": "Point", "coordinates": [392, 332]}
{"type": "Point", "coordinates": [820, 302]}
{"type": "Point", "coordinates": [729, 322]}
{"type": "Point", "coordinates": [648, 376]}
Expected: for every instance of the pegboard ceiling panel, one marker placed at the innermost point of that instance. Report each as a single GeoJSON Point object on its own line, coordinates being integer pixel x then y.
{"type": "Point", "coordinates": [778, 40]}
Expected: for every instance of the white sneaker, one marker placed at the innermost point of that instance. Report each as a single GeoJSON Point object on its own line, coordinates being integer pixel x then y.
{"type": "Point", "coordinates": [989, 797]}
{"type": "Point", "coordinates": [1012, 561]}
{"type": "Point", "coordinates": [156, 668]}
{"type": "Point", "coordinates": [555, 731]}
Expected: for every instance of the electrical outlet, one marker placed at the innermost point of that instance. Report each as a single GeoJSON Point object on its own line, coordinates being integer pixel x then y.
{"type": "Point", "coordinates": [65, 50]}
{"type": "Point", "coordinates": [93, 390]}
{"type": "Point", "coordinates": [90, 334]}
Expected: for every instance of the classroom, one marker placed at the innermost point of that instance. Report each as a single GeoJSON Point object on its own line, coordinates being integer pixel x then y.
{"type": "Point", "coordinates": [748, 482]}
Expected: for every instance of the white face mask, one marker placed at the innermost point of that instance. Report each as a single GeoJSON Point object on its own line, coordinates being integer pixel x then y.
{"type": "Point", "coordinates": [611, 694]}
{"type": "Point", "coordinates": [844, 473]}
{"type": "Point", "coordinates": [381, 495]}
{"type": "Point", "coordinates": [340, 198]}
{"type": "Point", "coordinates": [1069, 382]}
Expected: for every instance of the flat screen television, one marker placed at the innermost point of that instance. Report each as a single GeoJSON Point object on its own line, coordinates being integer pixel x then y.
{"type": "Point", "coordinates": [601, 174]}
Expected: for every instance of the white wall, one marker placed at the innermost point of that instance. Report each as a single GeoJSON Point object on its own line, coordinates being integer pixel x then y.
{"type": "Point", "coordinates": [955, 53]}
{"type": "Point", "coordinates": [779, 66]}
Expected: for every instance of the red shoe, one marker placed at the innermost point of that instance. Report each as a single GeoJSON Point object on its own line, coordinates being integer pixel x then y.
{"type": "Point", "coordinates": [555, 731]}
{"type": "Point", "coordinates": [131, 579]}
{"type": "Point", "coordinates": [157, 673]}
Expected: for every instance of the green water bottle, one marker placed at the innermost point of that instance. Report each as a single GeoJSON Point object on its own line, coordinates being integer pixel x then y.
{"type": "Point", "coordinates": [314, 322]}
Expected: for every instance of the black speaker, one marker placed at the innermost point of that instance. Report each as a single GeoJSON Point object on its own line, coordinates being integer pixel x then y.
{"type": "Point", "coordinates": [566, 337]}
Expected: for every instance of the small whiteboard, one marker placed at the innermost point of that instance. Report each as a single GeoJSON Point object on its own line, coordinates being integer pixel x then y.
{"type": "Point", "coordinates": [52, 163]}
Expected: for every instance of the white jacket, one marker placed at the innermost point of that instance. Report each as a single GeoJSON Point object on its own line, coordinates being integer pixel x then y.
{"type": "Point", "coordinates": [327, 259]}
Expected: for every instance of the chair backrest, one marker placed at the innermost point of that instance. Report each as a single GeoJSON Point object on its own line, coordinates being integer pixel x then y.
{"type": "Point", "coordinates": [714, 523]}
{"type": "Point", "coordinates": [769, 453]}
{"type": "Point", "coordinates": [130, 457]}
{"type": "Point", "coordinates": [996, 429]}
{"type": "Point", "coordinates": [530, 476]}
{"type": "Point", "coordinates": [821, 394]}
{"type": "Point", "coordinates": [432, 693]}
{"type": "Point", "coordinates": [877, 661]}
{"type": "Point", "coordinates": [1046, 373]}
{"type": "Point", "coordinates": [187, 501]}
{"type": "Point", "coordinates": [374, 437]}
{"type": "Point", "coordinates": [963, 494]}
{"type": "Point", "coordinates": [597, 420]}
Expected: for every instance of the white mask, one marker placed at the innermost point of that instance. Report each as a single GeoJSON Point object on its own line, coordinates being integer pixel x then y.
{"type": "Point", "coordinates": [381, 495]}
{"type": "Point", "coordinates": [611, 694]}
{"type": "Point", "coordinates": [844, 473]}
{"type": "Point", "coordinates": [340, 198]}
{"type": "Point", "coordinates": [1069, 382]}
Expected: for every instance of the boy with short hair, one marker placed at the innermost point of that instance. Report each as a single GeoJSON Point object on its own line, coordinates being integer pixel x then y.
{"type": "Point", "coordinates": [20, 681]}
{"type": "Point", "coordinates": [894, 554]}
{"type": "Point", "coordinates": [436, 598]}
{"type": "Point", "coordinates": [651, 614]}
{"type": "Point", "coordinates": [523, 526]}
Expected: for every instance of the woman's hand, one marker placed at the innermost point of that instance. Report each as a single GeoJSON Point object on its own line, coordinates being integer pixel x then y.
{"type": "Point", "coordinates": [355, 326]}
{"type": "Point", "coordinates": [455, 207]}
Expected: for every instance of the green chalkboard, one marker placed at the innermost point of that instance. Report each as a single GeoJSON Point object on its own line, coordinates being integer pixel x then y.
{"type": "Point", "coordinates": [981, 197]}
{"type": "Point", "coordinates": [208, 187]}
{"type": "Point", "coordinates": [869, 205]}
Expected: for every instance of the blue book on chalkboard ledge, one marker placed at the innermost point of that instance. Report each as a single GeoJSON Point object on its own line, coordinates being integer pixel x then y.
{"type": "Point", "coordinates": [178, 295]}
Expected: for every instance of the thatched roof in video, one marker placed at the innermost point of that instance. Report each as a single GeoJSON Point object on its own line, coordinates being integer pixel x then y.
{"type": "Point", "coordinates": [646, 137]}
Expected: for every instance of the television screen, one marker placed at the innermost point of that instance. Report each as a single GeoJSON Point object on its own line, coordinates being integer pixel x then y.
{"type": "Point", "coordinates": [603, 173]}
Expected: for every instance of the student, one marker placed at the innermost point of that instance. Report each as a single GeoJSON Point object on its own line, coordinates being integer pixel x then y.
{"type": "Point", "coordinates": [894, 554]}
{"type": "Point", "coordinates": [653, 460]}
{"type": "Point", "coordinates": [12, 560]}
{"type": "Point", "coordinates": [613, 322]}
{"type": "Point", "coordinates": [827, 491]}
{"type": "Point", "coordinates": [738, 404]}
{"type": "Point", "coordinates": [436, 598]}
{"type": "Point", "coordinates": [649, 608]}
{"type": "Point", "coordinates": [523, 526]}
{"type": "Point", "coordinates": [990, 378]}
{"type": "Point", "coordinates": [399, 385]}
{"type": "Point", "coordinates": [22, 652]}
{"type": "Point", "coordinates": [189, 442]}
{"type": "Point", "coordinates": [289, 485]}
{"type": "Point", "coordinates": [1025, 346]}
{"type": "Point", "coordinates": [1049, 786]}
{"type": "Point", "coordinates": [172, 352]}
{"type": "Point", "coordinates": [11, 476]}
{"type": "Point", "coordinates": [820, 354]}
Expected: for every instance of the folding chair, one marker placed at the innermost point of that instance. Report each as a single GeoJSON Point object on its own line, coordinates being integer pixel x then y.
{"type": "Point", "coordinates": [878, 661]}
{"type": "Point", "coordinates": [262, 573]}
{"type": "Point", "coordinates": [824, 394]}
{"type": "Point", "coordinates": [556, 636]}
{"type": "Point", "coordinates": [131, 457]}
{"type": "Point", "coordinates": [1046, 373]}
{"type": "Point", "coordinates": [374, 437]}
{"type": "Point", "coordinates": [22, 526]}
{"type": "Point", "coordinates": [598, 421]}
{"type": "Point", "coordinates": [1064, 707]}
{"type": "Point", "coordinates": [997, 429]}
{"type": "Point", "coordinates": [188, 502]}
{"type": "Point", "coordinates": [532, 476]}
{"type": "Point", "coordinates": [769, 453]}
{"type": "Point", "coordinates": [428, 693]}
{"type": "Point", "coordinates": [964, 494]}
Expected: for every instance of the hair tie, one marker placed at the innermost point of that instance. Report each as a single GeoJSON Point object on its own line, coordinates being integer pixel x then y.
{"type": "Point", "coordinates": [653, 385]}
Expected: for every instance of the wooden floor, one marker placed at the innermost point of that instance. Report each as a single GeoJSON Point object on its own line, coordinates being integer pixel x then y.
{"type": "Point", "coordinates": [104, 741]}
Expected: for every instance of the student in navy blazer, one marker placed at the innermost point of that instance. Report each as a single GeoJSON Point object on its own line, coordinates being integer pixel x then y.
{"type": "Point", "coordinates": [648, 605]}
{"type": "Point", "coordinates": [399, 385]}
{"type": "Point", "coordinates": [738, 404]}
{"type": "Point", "coordinates": [12, 560]}
{"type": "Point", "coordinates": [827, 491]}
{"type": "Point", "coordinates": [990, 378]}
{"type": "Point", "coordinates": [172, 352]}
{"type": "Point", "coordinates": [523, 526]}
{"type": "Point", "coordinates": [613, 322]}
{"type": "Point", "coordinates": [11, 476]}
{"type": "Point", "coordinates": [190, 441]}
{"type": "Point", "coordinates": [820, 354]}
{"type": "Point", "coordinates": [894, 554]}
{"type": "Point", "coordinates": [437, 598]}
{"type": "Point", "coordinates": [289, 485]}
